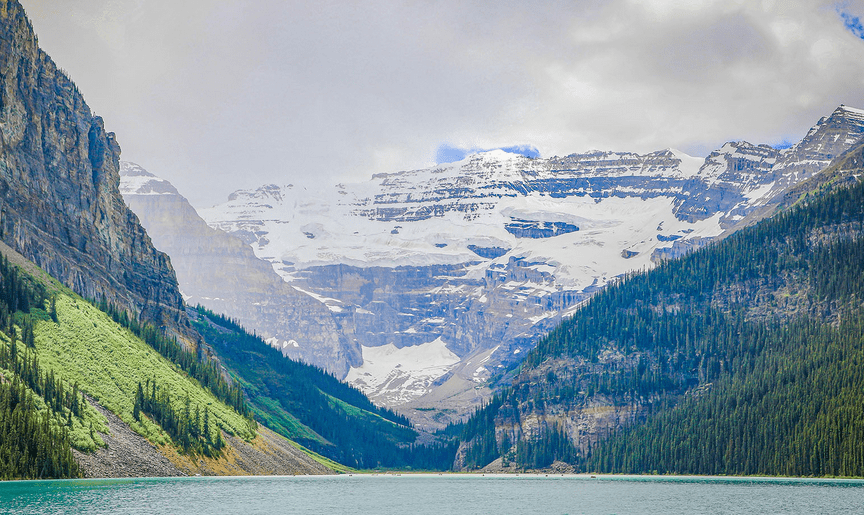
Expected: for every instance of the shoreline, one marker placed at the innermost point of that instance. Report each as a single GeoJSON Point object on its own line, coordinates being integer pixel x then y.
{"type": "Point", "coordinates": [473, 475]}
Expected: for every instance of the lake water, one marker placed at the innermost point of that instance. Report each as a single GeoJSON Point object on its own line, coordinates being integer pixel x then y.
{"type": "Point", "coordinates": [433, 494]}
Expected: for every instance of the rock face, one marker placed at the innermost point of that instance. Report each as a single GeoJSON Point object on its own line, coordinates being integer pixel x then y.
{"type": "Point", "coordinates": [221, 272]}
{"type": "Point", "coordinates": [126, 454]}
{"type": "Point", "coordinates": [555, 390]}
{"type": "Point", "coordinates": [488, 253]}
{"type": "Point", "coordinates": [59, 200]}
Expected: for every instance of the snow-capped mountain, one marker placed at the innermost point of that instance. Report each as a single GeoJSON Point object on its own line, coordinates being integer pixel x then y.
{"type": "Point", "coordinates": [222, 273]}
{"type": "Point", "coordinates": [486, 254]}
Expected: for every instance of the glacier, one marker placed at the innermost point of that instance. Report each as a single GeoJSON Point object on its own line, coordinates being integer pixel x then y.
{"type": "Point", "coordinates": [483, 256]}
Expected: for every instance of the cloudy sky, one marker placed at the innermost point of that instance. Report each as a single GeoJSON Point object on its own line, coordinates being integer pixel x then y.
{"type": "Point", "coordinates": [217, 95]}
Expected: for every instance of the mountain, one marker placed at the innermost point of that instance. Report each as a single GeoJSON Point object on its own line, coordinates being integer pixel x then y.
{"type": "Point", "coordinates": [315, 409]}
{"type": "Point", "coordinates": [300, 402]}
{"type": "Point", "coordinates": [59, 201]}
{"type": "Point", "coordinates": [739, 358]}
{"type": "Point", "coordinates": [104, 371]}
{"type": "Point", "coordinates": [72, 401]}
{"type": "Point", "coordinates": [454, 272]}
{"type": "Point", "coordinates": [221, 272]}
{"type": "Point", "coordinates": [72, 376]}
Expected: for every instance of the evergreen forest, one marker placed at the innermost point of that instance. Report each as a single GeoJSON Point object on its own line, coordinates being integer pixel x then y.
{"type": "Point", "coordinates": [36, 408]}
{"type": "Point", "coordinates": [744, 357]}
{"type": "Point", "coordinates": [313, 408]}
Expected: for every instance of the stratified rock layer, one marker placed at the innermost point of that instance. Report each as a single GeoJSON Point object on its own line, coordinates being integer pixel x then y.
{"type": "Point", "coordinates": [222, 273]}
{"type": "Point", "coordinates": [491, 252]}
{"type": "Point", "coordinates": [60, 205]}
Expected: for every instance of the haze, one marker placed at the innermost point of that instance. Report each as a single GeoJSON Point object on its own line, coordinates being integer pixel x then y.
{"type": "Point", "coordinates": [220, 95]}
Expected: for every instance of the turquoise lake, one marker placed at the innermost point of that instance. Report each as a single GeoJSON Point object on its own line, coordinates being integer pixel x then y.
{"type": "Point", "coordinates": [433, 494]}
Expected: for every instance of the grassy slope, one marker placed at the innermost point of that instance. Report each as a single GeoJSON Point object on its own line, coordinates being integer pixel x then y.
{"type": "Point", "coordinates": [286, 398]}
{"type": "Point", "coordinates": [270, 412]}
{"type": "Point", "coordinates": [80, 435]}
{"type": "Point", "coordinates": [108, 362]}
{"type": "Point", "coordinates": [397, 433]}
{"type": "Point", "coordinates": [327, 462]}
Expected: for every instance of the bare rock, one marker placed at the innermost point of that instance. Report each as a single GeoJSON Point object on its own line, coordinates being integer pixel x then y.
{"type": "Point", "coordinates": [128, 454]}
{"type": "Point", "coordinates": [60, 204]}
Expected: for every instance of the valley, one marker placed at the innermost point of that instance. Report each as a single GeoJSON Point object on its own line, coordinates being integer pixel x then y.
{"type": "Point", "coordinates": [604, 311]}
{"type": "Point", "coordinates": [485, 255]}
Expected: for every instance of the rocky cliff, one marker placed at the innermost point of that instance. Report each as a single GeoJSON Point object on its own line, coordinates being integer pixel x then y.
{"type": "Point", "coordinates": [60, 205]}
{"type": "Point", "coordinates": [489, 253]}
{"type": "Point", "coordinates": [689, 334]}
{"type": "Point", "coordinates": [221, 272]}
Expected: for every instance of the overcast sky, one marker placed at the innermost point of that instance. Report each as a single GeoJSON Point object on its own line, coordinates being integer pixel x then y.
{"type": "Point", "coordinates": [218, 95]}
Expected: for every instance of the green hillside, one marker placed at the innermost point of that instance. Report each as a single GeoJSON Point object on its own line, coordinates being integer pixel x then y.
{"type": "Point", "coordinates": [741, 358]}
{"type": "Point", "coordinates": [314, 408]}
{"type": "Point", "coordinates": [110, 361]}
{"type": "Point", "coordinates": [55, 347]}
{"type": "Point", "coordinates": [41, 415]}
{"type": "Point", "coordinates": [794, 411]}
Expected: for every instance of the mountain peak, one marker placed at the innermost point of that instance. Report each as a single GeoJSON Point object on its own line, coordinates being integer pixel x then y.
{"type": "Point", "coordinates": [830, 136]}
{"type": "Point", "coordinates": [138, 181]}
{"type": "Point", "coordinates": [847, 110]}
{"type": "Point", "coordinates": [130, 169]}
{"type": "Point", "coordinates": [498, 153]}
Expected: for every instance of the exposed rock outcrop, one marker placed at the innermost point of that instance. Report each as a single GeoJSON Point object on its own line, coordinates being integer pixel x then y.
{"type": "Point", "coordinates": [491, 252]}
{"type": "Point", "coordinates": [221, 272]}
{"type": "Point", "coordinates": [128, 454]}
{"type": "Point", "coordinates": [60, 205]}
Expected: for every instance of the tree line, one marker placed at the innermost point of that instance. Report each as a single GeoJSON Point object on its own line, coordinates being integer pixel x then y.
{"type": "Point", "coordinates": [352, 430]}
{"type": "Point", "coordinates": [767, 324]}
{"type": "Point", "coordinates": [189, 428]}
{"type": "Point", "coordinates": [196, 364]}
{"type": "Point", "coordinates": [32, 442]}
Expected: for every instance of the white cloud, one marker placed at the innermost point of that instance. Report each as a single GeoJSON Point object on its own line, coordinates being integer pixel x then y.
{"type": "Point", "coordinates": [218, 95]}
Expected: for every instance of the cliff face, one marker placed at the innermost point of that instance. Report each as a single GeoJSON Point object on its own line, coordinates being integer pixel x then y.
{"type": "Point", "coordinates": [221, 272]}
{"type": "Point", "coordinates": [592, 383]}
{"type": "Point", "coordinates": [60, 205]}
{"type": "Point", "coordinates": [489, 253]}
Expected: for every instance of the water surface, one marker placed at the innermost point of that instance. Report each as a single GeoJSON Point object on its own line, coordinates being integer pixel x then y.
{"type": "Point", "coordinates": [433, 494]}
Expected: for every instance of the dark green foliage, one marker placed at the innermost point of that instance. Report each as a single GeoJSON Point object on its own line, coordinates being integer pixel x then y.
{"type": "Point", "coordinates": [435, 456]}
{"type": "Point", "coordinates": [206, 371]}
{"type": "Point", "coordinates": [528, 453]}
{"type": "Point", "coordinates": [17, 291]}
{"type": "Point", "coordinates": [633, 313]}
{"type": "Point", "coordinates": [25, 367]}
{"type": "Point", "coordinates": [479, 431]}
{"type": "Point", "coordinates": [838, 270]}
{"type": "Point", "coordinates": [752, 321]}
{"type": "Point", "coordinates": [355, 432]}
{"type": "Point", "coordinates": [190, 432]}
{"type": "Point", "coordinates": [537, 453]}
{"type": "Point", "coordinates": [308, 374]}
{"type": "Point", "coordinates": [30, 446]}
{"type": "Point", "coordinates": [796, 411]}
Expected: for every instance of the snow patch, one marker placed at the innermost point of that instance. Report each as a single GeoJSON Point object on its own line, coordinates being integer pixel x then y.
{"type": "Point", "coordinates": [399, 375]}
{"type": "Point", "coordinates": [759, 192]}
{"type": "Point", "coordinates": [278, 344]}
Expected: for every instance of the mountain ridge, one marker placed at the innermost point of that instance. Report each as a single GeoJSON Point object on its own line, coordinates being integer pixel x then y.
{"type": "Point", "coordinates": [57, 157]}
{"type": "Point", "coordinates": [107, 345]}
{"type": "Point", "coordinates": [712, 364]}
{"type": "Point", "coordinates": [220, 271]}
{"type": "Point", "coordinates": [69, 344]}
{"type": "Point", "coordinates": [491, 252]}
